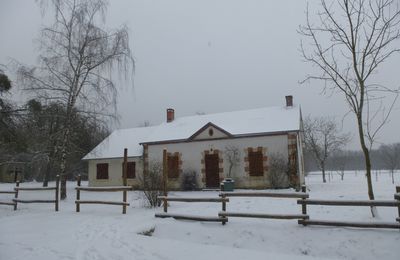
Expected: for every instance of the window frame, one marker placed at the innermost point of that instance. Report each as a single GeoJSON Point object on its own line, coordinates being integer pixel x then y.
{"type": "Point", "coordinates": [256, 163]}
{"type": "Point", "coordinates": [173, 174]}
{"type": "Point", "coordinates": [127, 170]}
{"type": "Point", "coordinates": [99, 172]}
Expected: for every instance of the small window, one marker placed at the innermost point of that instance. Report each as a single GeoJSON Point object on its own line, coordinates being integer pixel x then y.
{"type": "Point", "coordinates": [256, 163]}
{"type": "Point", "coordinates": [210, 132]}
{"type": "Point", "coordinates": [131, 171]}
{"type": "Point", "coordinates": [173, 166]}
{"type": "Point", "coordinates": [102, 171]}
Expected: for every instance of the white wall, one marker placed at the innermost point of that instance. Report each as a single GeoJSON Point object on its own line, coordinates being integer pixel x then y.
{"type": "Point", "coordinates": [192, 155]}
{"type": "Point", "coordinates": [114, 172]}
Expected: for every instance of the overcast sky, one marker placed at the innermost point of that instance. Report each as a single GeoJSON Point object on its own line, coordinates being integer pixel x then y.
{"type": "Point", "coordinates": [204, 56]}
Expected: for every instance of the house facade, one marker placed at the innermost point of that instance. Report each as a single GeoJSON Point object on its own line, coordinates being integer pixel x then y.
{"type": "Point", "coordinates": [239, 145]}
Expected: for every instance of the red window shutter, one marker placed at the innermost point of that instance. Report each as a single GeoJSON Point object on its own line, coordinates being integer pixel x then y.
{"type": "Point", "coordinates": [102, 171]}
{"type": "Point", "coordinates": [173, 166]}
{"type": "Point", "coordinates": [256, 163]}
{"type": "Point", "coordinates": [131, 171]}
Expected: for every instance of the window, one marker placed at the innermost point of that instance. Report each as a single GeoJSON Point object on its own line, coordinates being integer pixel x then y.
{"type": "Point", "coordinates": [256, 163]}
{"type": "Point", "coordinates": [131, 171]}
{"type": "Point", "coordinates": [173, 166]}
{"type": "Point", "coordinates": [102, 171]}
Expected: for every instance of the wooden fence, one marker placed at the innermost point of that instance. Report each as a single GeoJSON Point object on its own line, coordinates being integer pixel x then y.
{"type": "Point", "coordinates": [10, 202]}
{"type": "Point", "coordinates": [303, 200]}
{"type": "Point", "coordinates": [122, 203]}
{"type": "Point", "coordinates": [165, 214]}
{"type": "Point", "coordinates": [18, 189]}
{"type": "Point", "coordinates": [354, 203]}
{"type": "Point", "coordinates": [288, 195]}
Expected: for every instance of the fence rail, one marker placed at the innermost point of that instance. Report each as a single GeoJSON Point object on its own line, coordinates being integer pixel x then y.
{"type": "Point", "coordinates": [288, 195]}
{"type": "Point", "coordinates": [354, 203]}
{"type": "Point", "coordinates": [18, 189]}
{"type": "Point", "coordinates": [377, 203]}
{"type": "Point", "coordinates": [303, 200]}
{"type": "Point", "coordinates": [7, 192]}
{"type": "Point", "coordinates": [262, 215]}
{"type": "Point", "coordinates": [349, 224]}
{"type": "Point", "coordinates": [122, 203]}
{"type": "Point", "coordinates": [165, 214]}
{"type": "Point", "coordinates": [8, 203]}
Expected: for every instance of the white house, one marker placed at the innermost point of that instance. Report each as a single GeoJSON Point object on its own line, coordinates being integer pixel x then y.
{"type": "Point", "coordinates": [204, 144]}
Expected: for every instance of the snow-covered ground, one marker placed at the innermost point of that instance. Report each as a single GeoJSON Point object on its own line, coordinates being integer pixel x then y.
{"type": "Point", "coordinates": [35, 231]}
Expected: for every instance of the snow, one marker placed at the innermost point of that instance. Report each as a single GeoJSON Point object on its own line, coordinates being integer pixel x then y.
{"type": "Point", "coordinates": [36, 231]}
{"type": "Point", "coordinates": [237, 123]}
{"type": "Point", "coordinates": [114, 144]}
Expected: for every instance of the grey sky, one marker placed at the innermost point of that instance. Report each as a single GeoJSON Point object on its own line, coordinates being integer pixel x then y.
{"type": "Point", "coordinates": [209, 56]}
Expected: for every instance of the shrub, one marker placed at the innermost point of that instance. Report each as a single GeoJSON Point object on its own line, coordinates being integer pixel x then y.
{"type": "Point", "coordinates": [189, 180]}
{"type": "Point", "coordinates": [278, 171]}
{"type": "Point", "coordinates": [152, 184]}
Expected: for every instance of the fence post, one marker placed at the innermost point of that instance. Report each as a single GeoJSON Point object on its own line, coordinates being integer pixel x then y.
{"type": "Point", "coordinates": [398, 199]}
{"type": "Point", "coordinates": [16, 194]}
{"type": "Point", "coordinates": [223, 207]}
{"type": "Point", "coordinates": [125, 182]}
{"type": "Point", "coordinates": [165, 180]}
{"type": "Point", "coordinates": [304, 205]}
{"type": "Point", "coordinates": [57, 189]}
{"type": "Point", "coordinates": [78, 193]}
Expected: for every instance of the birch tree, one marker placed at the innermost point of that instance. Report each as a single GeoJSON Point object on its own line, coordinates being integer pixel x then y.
{"type": "Point", "coordinates": [322, 138]}
{"type": "Point", "coordinates": [348, 42]}
{"type": "Point", "coordinates": [78, 55]}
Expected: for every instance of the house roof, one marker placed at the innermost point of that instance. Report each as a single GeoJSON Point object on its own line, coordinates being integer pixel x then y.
{"type": "Point", "coordinates": [261, 121]}
{"type": "Point", "coordinates": [113, 146]}
{"type": "Point", "coordinates": [266, 120]}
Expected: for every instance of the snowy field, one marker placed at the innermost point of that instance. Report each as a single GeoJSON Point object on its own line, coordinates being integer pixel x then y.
{"type": "Point", "coordinates": [35, 231]}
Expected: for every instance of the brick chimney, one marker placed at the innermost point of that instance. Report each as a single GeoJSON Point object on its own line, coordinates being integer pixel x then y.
{"type": "Point", "coordinates": [289, 101]}
{"type": "Point", "coordinates": [170, 115]}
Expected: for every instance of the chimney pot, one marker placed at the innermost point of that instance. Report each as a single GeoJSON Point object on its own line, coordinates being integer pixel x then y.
{"type": "Point", "coordinates": [170, 115]}
{"type": "Point", "coordinates": [289, 101]}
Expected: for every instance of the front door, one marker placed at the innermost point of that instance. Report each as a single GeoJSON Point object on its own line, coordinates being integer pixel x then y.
{"type": "Point", "coordinates": [212, 170]}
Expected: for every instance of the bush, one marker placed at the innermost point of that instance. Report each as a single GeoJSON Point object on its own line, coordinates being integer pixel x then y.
{"type": "Point", "coordinates": [189, 181]}
{"type": "Point", "coordinates": [278, 171]}
{"type": "Point", "coordinates": [152, 185]}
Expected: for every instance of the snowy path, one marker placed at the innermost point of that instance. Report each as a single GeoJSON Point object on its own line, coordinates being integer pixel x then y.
{"type": "Point", "coordinates": [99, 232]}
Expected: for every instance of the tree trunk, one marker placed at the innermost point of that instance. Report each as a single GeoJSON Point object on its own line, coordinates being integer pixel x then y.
{"type": "Point", "coordinates": [367, 161]}
{"type": "Point", "coordinates": [46, 175]}
{"type": "Point", "coordinates": [63, 162]}
{"type": "Point", "coordinates": [392, 172]}
{"type": "Point", "coordinates": [323, 173]}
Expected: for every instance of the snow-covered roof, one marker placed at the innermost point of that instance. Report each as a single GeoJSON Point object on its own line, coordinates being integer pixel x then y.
{"type": "Point", "coordinates": [238, 123]}
{"type": "Point", "coordinates": [113, 146]}
{"type": "Point", "coordinates": [260, 121]}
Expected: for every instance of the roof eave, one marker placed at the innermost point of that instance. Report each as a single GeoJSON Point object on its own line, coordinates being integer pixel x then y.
{"type": "Point", "coordinates": [188, 140]}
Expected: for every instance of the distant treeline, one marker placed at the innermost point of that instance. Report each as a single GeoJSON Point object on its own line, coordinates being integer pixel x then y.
{"type": "Point", "coordinates": [354, 160]}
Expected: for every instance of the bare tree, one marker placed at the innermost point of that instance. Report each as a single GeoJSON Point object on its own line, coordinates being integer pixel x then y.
{"type": "Point", "coordinates": [340, 161]}
{"type": "Point", "coordinates": [278, 171]}
{"type": "Point", "coordinates": [78, 56]}
{"type": "Point", "coordinates": [390, 155]}
{"type": "Point", "coordinates": [349, 41]}
{"type": "Point", "coordinates": [232, 154]}
{"type": "Point", "coordinates": [152, 184]}
{"type": "Point", "coordinates": [322, 138]}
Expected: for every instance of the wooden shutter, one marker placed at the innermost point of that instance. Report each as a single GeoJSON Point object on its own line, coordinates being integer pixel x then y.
{"type": "Point", "coordinates": [131, 170]}
{"type": "Point", "coordinates": [256, 163]}
{"type": "Point", "coordinates": [173, 166]}
{"type": "Point", "coordinates": [102, 171]}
